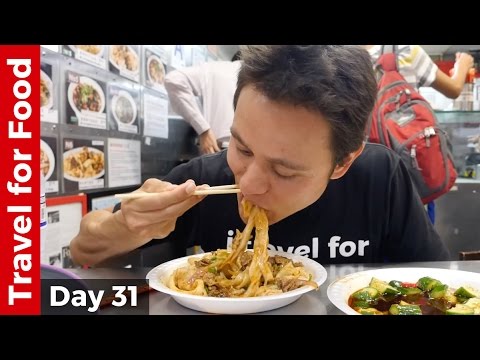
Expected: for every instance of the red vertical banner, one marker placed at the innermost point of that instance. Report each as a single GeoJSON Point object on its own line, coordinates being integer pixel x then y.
{"type": "Point", "coordinates": [20, 180]}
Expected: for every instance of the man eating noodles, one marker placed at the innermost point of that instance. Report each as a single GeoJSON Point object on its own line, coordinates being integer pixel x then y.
{"type": "Point", "coordinates": [297, 151]}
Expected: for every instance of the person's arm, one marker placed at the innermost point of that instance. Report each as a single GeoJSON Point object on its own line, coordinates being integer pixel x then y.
{"type": "Point", "coordinates": [452, 86]}
{"type": "Point", "coordinates": [104, 234]}
{"type": "Point", "coordinates": [182, 87]}
{"type": "Point", "coordinates": [410, 235]}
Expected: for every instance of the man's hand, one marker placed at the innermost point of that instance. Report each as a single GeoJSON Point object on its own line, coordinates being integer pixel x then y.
{"type": "Point", "coordinates": [208, 143]}
{"type": "Point", "coordinates": [156, 216]}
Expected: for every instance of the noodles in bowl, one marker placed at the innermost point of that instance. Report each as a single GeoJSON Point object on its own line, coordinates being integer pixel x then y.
{"type": "Point", "coordinates": [239, 281]}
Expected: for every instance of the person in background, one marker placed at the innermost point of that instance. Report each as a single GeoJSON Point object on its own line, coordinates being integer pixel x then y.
{"type": "Point", "coordinates": [418, 69]}
{"type": "Point", "coordinates": [298, 151]}
{"type": "Point", "coordinates": [215, 83]}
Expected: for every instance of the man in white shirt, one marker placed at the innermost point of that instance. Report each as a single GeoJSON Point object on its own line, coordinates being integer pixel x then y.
{"type": "Point", "coordinates": [215, 82]}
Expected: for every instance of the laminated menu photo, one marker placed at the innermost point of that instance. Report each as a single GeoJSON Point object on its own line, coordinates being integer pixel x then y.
{"type": "Point", "coordinates": [85, 101]}
{"type": "Point", "coordinates": [48, 103]}
{"type": "Point", "coordinates": [154, 70]}
{"type": "Point", "coordinates": [49, 163]}
{"type": "Point", "coordinates": [83, 164]}
{"type": "Point", "coordinates": [123, 110]}
{"type": "Point", "coordinates": [124, 60]}
{"type": "Point", "coordinates": [91, 54]}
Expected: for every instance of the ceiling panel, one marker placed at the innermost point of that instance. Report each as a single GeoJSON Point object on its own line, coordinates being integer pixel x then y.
{"type": "Point", "coordinates": [448, 49]}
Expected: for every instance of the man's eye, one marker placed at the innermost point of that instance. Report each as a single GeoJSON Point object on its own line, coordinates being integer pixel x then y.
{"type": "Point", "coordinates": [245, 152]}
{"type": "Point", "coordinates": [282, 176]}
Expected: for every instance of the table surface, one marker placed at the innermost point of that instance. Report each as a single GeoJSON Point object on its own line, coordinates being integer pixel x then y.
{"type": "Point", "coordinates": [312, 303]}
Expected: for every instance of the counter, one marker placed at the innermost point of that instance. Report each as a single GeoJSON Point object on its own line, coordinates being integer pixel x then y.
{"type": "Point", "coordinates": [312, 303]}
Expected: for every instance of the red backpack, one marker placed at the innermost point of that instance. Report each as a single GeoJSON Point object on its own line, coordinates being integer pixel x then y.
{"type": "Point", "coordinates": [405, 122]}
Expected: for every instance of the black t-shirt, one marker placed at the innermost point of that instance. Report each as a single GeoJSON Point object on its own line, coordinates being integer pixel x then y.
{"type": "Point", "coordinates": [371, 214]}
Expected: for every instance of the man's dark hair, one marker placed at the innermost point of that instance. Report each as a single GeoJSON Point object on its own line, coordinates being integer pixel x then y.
{"type": "Point", "coordinates": [336, 81]}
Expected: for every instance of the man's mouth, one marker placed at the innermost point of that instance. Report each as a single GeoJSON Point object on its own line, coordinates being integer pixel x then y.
{"type": "Point", "coordinates": [240, 209]}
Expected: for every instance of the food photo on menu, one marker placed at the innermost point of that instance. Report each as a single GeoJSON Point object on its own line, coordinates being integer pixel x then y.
{"type": "Point", "coordinates": [48, 104]}
{"type": "Point", "coordinates": [48, 163]}
{"type": "Point", "coordinates": [123, 109]}
{"type": "Point", "coordinates": [91, 54]}
{"type": "Point", "coordinates": [46, 86]}
{"type": "Point", "coordinates": [124, 60]}
{"type": "Point", "coordinates": [83, 164]}
{"type": "Point", "coordinates": [155, 69]}
{"type": "Point", "coordinates": [85, 101]}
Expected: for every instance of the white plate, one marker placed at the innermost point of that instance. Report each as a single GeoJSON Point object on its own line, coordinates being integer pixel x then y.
{"type": "Point", "coordinates": [96, 50]}
{"type": "Point", "coordinates": [125, 98]}
{"type": "Point", "coordinates": [86, 81]}
{"type": "Point", "coordinates": [47, 150]}
{"type": "Point", "coordinates": [159, 274]}
{"type": "Point", "coordinates": [122, 65]}
{"type": "Point", "coordinates": [151, 60]}
{"type": "Point", "coordinates": [49, 85]}
{"type": "Point", "coordinates": [339, 291]}
{"type": "Point", "coordinates": [74, 151]}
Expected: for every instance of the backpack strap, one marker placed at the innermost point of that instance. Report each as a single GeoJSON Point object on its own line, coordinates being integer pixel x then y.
{"type": "Point", "coordinates": [388, 59]}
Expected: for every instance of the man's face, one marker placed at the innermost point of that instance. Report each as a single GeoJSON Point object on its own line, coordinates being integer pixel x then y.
{"type": "Point", "coordinates": [280, 155]}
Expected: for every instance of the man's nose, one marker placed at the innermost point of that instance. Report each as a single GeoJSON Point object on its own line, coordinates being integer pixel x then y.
{"type": "Point", "coordinates": [254, 180]}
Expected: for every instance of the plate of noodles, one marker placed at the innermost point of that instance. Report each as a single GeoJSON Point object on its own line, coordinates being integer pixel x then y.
{"type": "Point", "coordinates": [239, 281]}
{"type": "Point", "coordinates": [214, 299]}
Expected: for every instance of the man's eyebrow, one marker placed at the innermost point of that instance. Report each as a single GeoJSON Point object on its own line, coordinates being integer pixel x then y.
{"type": "Point", "coordinates": [274, 161]}
{"type": "Point", "coordinates": [237, 137]}
{"type": "Point", "coordinates": [287, 164]}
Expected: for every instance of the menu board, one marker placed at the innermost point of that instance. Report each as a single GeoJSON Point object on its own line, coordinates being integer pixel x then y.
{"type": "Point", "coordinates": [155, 113]}
{"type": "Point", "coordinates": [63, 223]}
{"type": "Point", "coordinates": [124, 165]}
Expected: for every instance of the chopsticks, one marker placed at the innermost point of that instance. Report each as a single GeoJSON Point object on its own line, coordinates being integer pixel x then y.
{"type": "Point", "coordinates": [217, 190]}
{"type": "Point", "coordinates": [214, 190]}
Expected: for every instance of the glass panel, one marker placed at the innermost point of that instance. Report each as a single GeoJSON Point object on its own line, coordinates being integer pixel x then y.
{"type": "Point", "coordinates": [463, 128]}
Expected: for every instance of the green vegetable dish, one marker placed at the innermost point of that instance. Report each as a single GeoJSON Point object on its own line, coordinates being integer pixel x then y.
{"type": "Point", "coordinates": [427, 296]}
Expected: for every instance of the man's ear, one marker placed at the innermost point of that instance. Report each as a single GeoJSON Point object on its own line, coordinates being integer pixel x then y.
{"type": "Point", "coordinates": [340, 170]}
